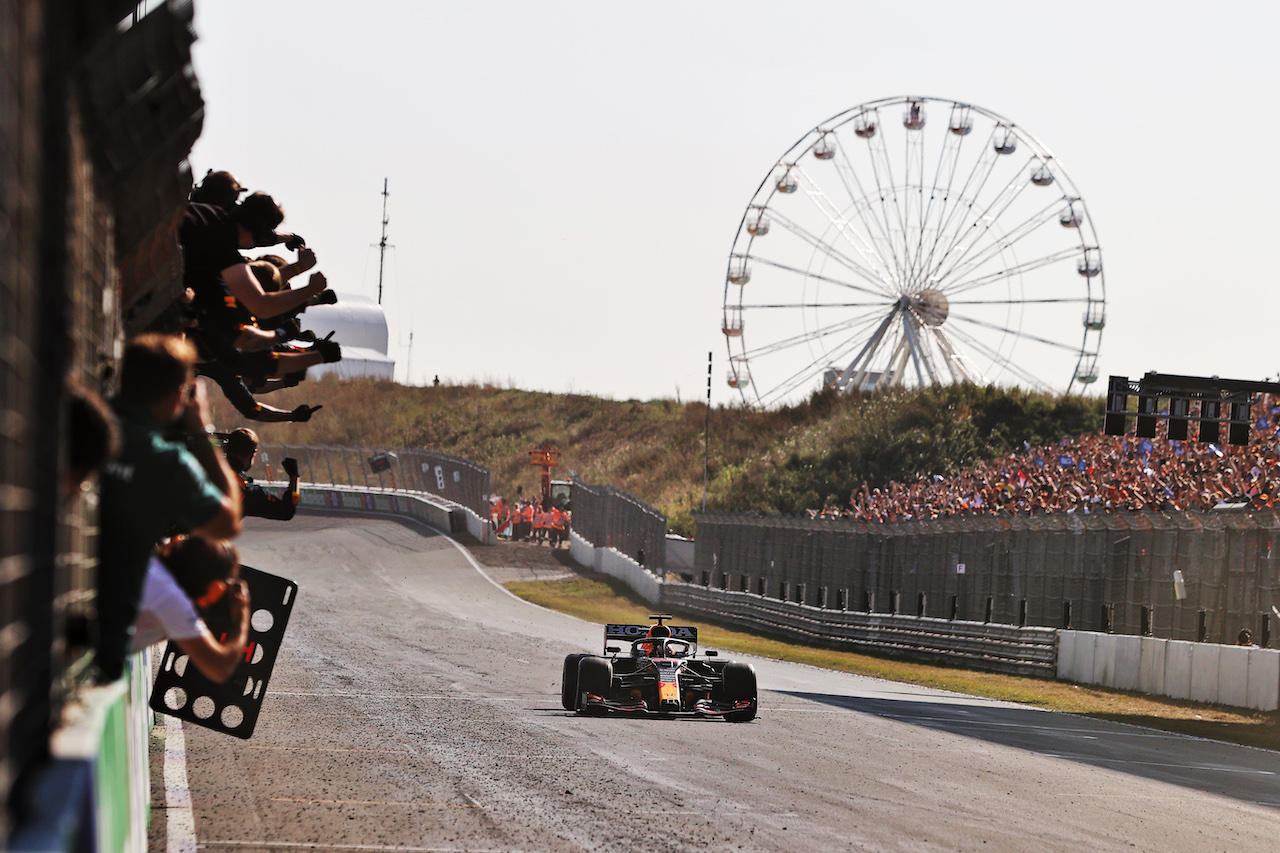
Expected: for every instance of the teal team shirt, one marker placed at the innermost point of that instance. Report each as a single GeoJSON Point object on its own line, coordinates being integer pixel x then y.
{"type": "Point", "coordinates": [154, 489]}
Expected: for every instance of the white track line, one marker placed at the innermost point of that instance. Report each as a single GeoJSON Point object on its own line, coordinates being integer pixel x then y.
{"type": "Point", "coordinates": [180, 823]}
{"type": "Point", "coordinates": [294, 845]}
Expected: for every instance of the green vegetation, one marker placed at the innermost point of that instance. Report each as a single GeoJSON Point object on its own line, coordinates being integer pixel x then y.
{"type": "Point", "coordinates": [601, 601]}
{"type": "Point", "coordinates": [787, 460]}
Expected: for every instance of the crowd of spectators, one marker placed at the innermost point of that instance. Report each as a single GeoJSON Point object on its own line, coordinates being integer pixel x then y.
{"type": "Point", "coordinates": [173, 490]}
{"type": "Point", "coordinates": [1091, 473]}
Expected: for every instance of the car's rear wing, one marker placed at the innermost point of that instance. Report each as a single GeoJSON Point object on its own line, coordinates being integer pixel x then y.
{"type": "Point", "coordinates": [629, 633]}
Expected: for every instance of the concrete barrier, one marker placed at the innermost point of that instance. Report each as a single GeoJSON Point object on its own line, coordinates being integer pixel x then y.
{"type": "Point", "coordinates": [1239, 676]}
{"type": "Point", "coordinates": [1080, 669]}
{"type": "Point", "coordinates": [1232, 686]}
{"type": "Point", "coordinates": [615, 564]}
{"type": "Point", "coordinates": [1205, 659]}
{"type": "Point", "coordinates": [1127, 671]}
{"type": "Point", "coordinates": [1264, 679]}
{"type": "Point", "coordinates": [1066, 653]}
{"type": "Point", "coordinates": [1151, 666]}
{"type": "Point", "coordinates": [1104, 660]}
{"type": "Point", "coordinates": [1177, 669]}
{"type": "Point", "coordinates": [434, 511]}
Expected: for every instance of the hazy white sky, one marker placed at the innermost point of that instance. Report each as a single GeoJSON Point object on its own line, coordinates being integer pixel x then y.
{"type": "Point", "coordinates": [567, 178]}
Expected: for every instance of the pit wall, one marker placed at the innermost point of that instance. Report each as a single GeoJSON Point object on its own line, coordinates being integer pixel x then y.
{"type": "Point", "coordinates": [95, 792]}
{"type": "Point", "coordinates": [1239, 676]}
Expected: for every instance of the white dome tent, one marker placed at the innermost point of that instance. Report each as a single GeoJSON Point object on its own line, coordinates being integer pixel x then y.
{"type": "Point", "coordinates": [360, 326]}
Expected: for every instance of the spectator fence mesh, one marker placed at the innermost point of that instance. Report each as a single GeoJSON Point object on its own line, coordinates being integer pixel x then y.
{"type": "Point", "coordinates": [444, 475]}
{"type": "Point", "coordinates": [608, 517]}
{"type": "Point", "coordinates": [1102, 572]}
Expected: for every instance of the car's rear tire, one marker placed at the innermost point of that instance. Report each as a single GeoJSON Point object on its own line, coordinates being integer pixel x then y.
{"type": "Point", "coordinates": [569, 682]}
{"type": "Point", "coordinates": [740, 683]}
{"type": "Point", "coordinates": [594, 676]}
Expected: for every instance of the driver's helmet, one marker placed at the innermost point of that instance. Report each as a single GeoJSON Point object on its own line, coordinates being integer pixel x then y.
{"type": "Point", "coordinates": [656, 631]}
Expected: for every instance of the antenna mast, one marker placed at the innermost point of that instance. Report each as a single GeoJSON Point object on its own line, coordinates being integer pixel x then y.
{"type": "Point", "coordinates": [382, 246]}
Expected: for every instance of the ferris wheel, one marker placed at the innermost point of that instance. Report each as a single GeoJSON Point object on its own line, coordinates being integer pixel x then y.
{"type": "Point", "coordinates": [913, 241]}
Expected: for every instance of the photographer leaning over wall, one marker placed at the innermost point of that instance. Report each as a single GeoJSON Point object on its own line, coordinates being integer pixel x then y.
{"type": "Point", "coordinates": [155, 484]}
{"type": "Point", "coordinates": [241, 447]}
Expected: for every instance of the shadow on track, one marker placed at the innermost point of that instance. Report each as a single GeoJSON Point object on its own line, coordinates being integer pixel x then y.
{"type": "Point", "coordinates": [1242, 773]}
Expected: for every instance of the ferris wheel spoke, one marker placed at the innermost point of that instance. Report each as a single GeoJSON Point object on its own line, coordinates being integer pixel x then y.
{"type": "Point", "coordinates": [809, 305]}
{"type": "Point", "coordinates": [824, 278]}
{"type": "Point", "coordinates": [913, 201]}
{"type": "Point", "coordinates": [832, 252]}
{"type": "Point", "coordinates": [943, 177]}
{"type": "Point", "coordinates": [806, 371]}
{"type": "Point", "coordinates": [975, 182]}
{"type": "Point", "coordinates": [1004, 364]}
{"type": "Point", "coordinates": [1017, 333]}
{"type": "Point", "coordinates": [882, 171]}
{"type": "Point", "coordinates": [807, 336]}
{"type": "Point", "coordinates": [982, 223]}
{"type": "Point", "coordinates": [958, 364]}
{"type": "Point", "coordinates": [1009, 272]}
{"type": "Point", "coordinates": [861, 200]}
{"type": "Point", "coordinates": [852, 237]}
{"type": "Point", "coordinates": [1069, 300]}
{"type": "Point", "coordinates": [805, 374]}
{"type": "Point", "coordinates": [1017, 233]}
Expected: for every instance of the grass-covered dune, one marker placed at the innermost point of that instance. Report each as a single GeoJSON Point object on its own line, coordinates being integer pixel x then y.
{"type": "Point", "coordinates": [786, 460]}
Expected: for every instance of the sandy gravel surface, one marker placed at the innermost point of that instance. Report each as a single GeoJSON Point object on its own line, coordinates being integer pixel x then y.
{"type": "Point", "coordinates": [524, 561]}
{"type": "Point", "coordinates": [415, 707]}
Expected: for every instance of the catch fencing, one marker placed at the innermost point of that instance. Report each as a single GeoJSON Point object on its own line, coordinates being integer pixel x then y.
{"type": "Point", "coordinates": [444, 475]}
{"type": "Point", "coordinates": [611, 518]}
{"type": "Point", "coordinates": [1111, 573]}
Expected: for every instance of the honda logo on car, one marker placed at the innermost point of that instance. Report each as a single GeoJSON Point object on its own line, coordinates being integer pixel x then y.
{"type": "Point", "coordinates": [683, 632]}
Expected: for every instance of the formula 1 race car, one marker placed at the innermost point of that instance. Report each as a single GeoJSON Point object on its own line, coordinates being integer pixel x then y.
{"type": "Point", "coordinates": [660, 674]}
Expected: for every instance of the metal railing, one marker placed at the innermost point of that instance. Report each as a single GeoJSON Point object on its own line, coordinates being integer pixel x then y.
{"type": "Point", "coordinates": [1109, 572]}
{"type": "Point", "coordinates": [997, 648]}
{"type": "Point", "coordinates": [611, 518]}
{"type": "Point", "coordinates": [453, 478]}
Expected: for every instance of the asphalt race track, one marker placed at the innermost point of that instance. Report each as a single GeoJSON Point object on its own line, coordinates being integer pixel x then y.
{"type": "Point", "coordinates": [415, 707]}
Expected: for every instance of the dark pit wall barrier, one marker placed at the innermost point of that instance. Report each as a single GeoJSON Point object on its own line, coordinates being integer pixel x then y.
{"type": "Point", "coordinates": [611, 518]}
{"type": "Point", "coordinates": [442, 474]}
{"type": "Point", "coordinates": [1110, 572]}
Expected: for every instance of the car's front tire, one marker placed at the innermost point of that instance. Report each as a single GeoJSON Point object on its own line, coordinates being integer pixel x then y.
{"type": "Point", "coordinates": [569, 682]}
{"type": "Point", "coordinates": [595, 676]}
{"type": "Point", "coordinates": [740, 683]}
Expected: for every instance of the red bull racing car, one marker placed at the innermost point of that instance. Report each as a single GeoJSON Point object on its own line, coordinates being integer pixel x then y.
{"type": "Point", "coordinates": [655, 670]}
